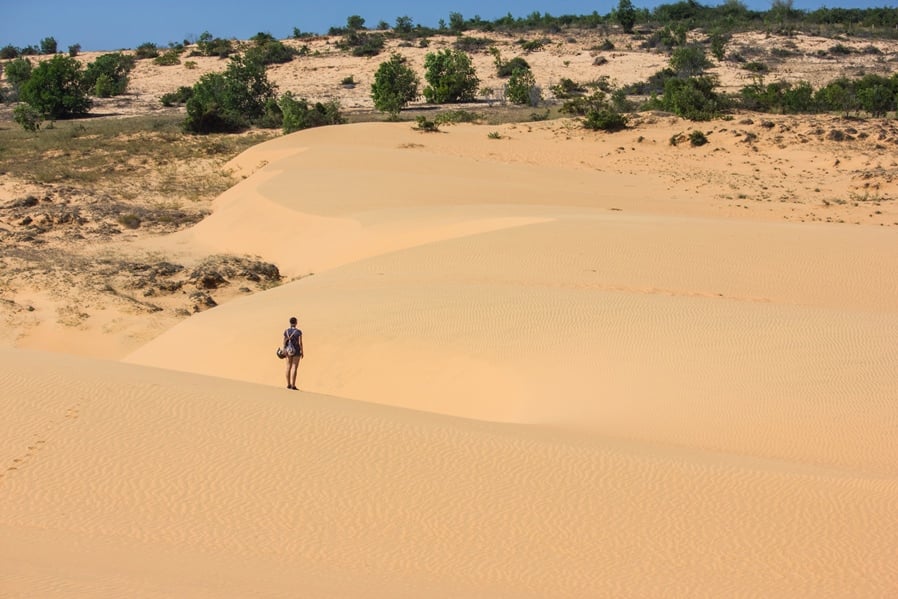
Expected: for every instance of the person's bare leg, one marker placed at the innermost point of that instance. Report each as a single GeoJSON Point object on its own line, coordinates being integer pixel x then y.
{"type": "Point", "coordinates": [289, 364]}
{"type": "Point", "coordinates": [295, 365]}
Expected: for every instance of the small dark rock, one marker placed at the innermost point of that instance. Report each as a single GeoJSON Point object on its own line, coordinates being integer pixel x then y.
{"type": "Point", "coordinates": [210, 280]}
{"type": "Point", "coordinates": [203, 301]}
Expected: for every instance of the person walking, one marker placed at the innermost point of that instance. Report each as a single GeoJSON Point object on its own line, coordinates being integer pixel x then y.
{"type": "Point", "coordinates": [293, 349]}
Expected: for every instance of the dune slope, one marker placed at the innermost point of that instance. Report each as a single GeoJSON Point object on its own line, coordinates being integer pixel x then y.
{"type": "Point", "coordinates": [154, 483]}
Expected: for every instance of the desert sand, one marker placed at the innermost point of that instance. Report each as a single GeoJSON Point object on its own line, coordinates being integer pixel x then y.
{"type": "Point", "coordinates": [540, 362]}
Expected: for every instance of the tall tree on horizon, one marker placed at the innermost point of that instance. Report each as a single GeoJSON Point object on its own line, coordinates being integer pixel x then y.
{"type": "Point", "coordinates": [626, 15]}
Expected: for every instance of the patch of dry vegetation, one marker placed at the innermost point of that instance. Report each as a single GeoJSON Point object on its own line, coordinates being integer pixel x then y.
{"type": "Point", "coordinates": [73, 195]}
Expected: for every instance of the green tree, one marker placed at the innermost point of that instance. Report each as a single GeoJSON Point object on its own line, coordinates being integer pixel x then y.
{"type": "Point", "coordinates": [18, 71]}
{"type": "Point", "coordinates": [877, 94]}
{"type": "Point", "coordinates": [355, 22]}
{"type": "Point", "coordinates": [451, 77]}
{"type": "Point", "coordinates": [521, 88]}
{"type": "Point", "coordinates": [395, 85]}
{"type": "Point", "coordinates": [108, 75]}
{"type": "Point", "coordinates": [626, 15]}
{"type": "Point", "coordinates": [56, 89]}
{"type": "Point", "coordinates": [838, 95]}
{"type": "Point", "coordinates": [229, 101]}
{"type": "Point", "coordinates": [688, 61]}
{"type": "Point", "coordinates": [456, 23]}
{"type": "Point", "coordinates": [404, 25]}
{"type": "Point", "coordinates": [48, 45]}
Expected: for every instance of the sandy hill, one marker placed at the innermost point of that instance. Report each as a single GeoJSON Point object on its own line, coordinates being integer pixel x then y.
{"type": "Point", "coordinates": [318, 73]}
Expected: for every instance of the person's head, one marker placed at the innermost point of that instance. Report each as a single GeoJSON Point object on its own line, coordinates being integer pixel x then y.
{"type": "Point", "coordinates": [293, 321]}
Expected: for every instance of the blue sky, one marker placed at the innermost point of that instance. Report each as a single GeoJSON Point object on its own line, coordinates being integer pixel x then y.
{"type": "Point", "coordinates": [115, 24]}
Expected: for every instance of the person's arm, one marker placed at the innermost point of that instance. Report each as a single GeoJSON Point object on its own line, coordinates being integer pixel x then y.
{"type": "Point", "coordinates": [300, 344]}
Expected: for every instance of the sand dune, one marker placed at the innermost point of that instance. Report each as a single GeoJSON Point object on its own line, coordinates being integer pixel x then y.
{"type": "Point", "coordinates": [536, 367]}
{"type": "Point", "coordinates": [131, 480]}
{"type": "Point", "coordinates": [686, 329]}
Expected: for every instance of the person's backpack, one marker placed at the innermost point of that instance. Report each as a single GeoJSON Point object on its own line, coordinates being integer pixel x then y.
{"type": "Point", "coordinates": [289, 346]}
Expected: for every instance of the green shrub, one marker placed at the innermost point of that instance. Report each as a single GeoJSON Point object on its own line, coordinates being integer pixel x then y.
{"type": "Point", "coordinates": [669, 36]}
{"type": "Point", "coordinates": [168, 59]}
{"type": "Point", "coordinates": [361, 43]}
{"type": "Point", "coordinates": [262, 38]}
{"type": "Point", "coordinates": [535, 45]}
{"type": "Point", "coordinates": [521, 88]}
{"type": "Point", "coordinates": [48, 45]}
{"type": "Point", "coordinates": [177, 98]}
{"type": "Point", "coordinates": [56, 89]}
{"type": "Point", "coordinates": [756, 67]}
{"type": "Point", "coordinates": [146, 50]}
{"type": "Point", "coordinates": [214, 46]}
{"type": "Point", "coordinates": [129, 220]}
{"type": "Point", "coordinates": [451, 77]}
{"type": "Point", "coordinates": [395, 85]}
{"type": "Point", "coordinates": [693, 98]}
{"type": "Point", "coordinates": [688, 61]}
{"type": "Point", "coordinates": [506, 69]}
{"type": "Point", "coordinates": [581, 105]}
{"type": "Point", "coordinates": [114, 70]}
{"type": "Point", "coordinates": [27, 116]}
{"type": "Point", "coordinates": [272, 115]}
{"type": "Point", "coordinates": [211, 108]}
{"type": "Point", "coordinates": [798, 98]}
{"type": "Point", "coordinates": [299, 114]}
{"type": "Point", "coordinates": [18, 71]}
{"type": "Point", "coordinates": [74, 50]}
{"type": "Point", "coordinates": [457, 116]}
{"type": "Point", "coordinates": [697, 138]}
{"type": "Point", "coordinates": [104, 87]}
{"type": "Point", "coordinates": [9, 52]}
{"type": "Point", "coordinates": [719, 43]}
{"type": "Point", "coordinates": [229, 101]}
{"type": "Point", "coordinates": [606, 119]}
{"type": "Point", "coordinates": [654, 85]}
{"type": "Point", "coordinates": [567, 88]}
{"type": "Point", "coordinates": [426, 125]}
{"type": "Point", "coordinates": [840, 49]}
{"type": "Point", "coordinates": [271, 52]}
{"type": "Point", "coordinates": [473, 44]}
